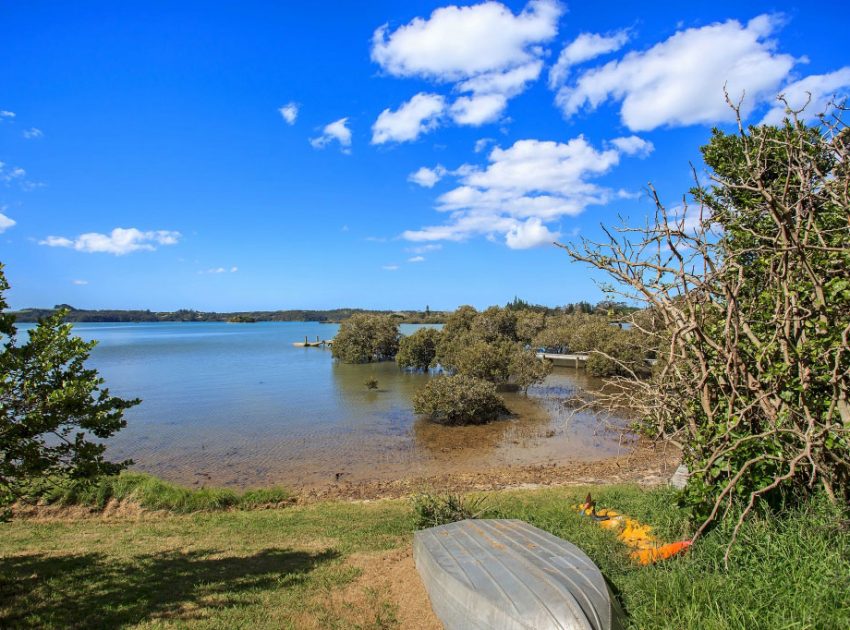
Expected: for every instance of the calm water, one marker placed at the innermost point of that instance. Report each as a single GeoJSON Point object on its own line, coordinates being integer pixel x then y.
{"type": "Point", "coordinates": [239, 405]}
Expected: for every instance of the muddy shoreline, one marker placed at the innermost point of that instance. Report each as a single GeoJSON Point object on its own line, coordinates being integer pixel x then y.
{"type": "Point", "coordinates": [646, 464]}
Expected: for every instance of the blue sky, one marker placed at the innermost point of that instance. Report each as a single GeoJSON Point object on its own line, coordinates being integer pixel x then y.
{"type": "Point", "coordinates": [265, 155]}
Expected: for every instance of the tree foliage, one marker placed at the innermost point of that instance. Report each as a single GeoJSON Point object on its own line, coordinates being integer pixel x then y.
{"type": "Point", "coordinates": [419, 350]}
{"type": "Point", "coordinates": [364, 338]}
{"type": "Point", "coordinates": [749, 297]}
{"type": "Point", "coordinates": [51, 407]}
{"type": "Point", "coordinates": [459, 399]}
{"type": "Point", "coordinates": [491, 345]}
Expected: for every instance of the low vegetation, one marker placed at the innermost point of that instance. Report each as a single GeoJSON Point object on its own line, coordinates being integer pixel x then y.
{"type": "Point", "coordinates": [151, 493]}
{"type": "Point", "coordinates": [301, 567]}
{"type": "Point", "coordinates": [459, 399]}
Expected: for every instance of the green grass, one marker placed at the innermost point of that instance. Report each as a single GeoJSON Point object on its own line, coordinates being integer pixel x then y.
{"type": "Point", "coordinates": [151, 493]}
{"type": "Point", "coordinates": [287, 567]}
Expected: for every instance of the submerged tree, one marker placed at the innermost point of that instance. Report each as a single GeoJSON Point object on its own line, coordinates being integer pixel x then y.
{"type": "Point", "coordinates": [51, 407]}
{"type": "Point", "coordinates": [364, 338]}
{"type": "Point", "coordinates": [419, 350]}
{"type": "Point", "coordinates": [750, 301]}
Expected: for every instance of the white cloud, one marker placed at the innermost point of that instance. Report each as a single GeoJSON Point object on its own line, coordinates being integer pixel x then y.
{"type": "Point", "coordinates": [524, 187]}
{"type": "Point", "coordinates": [5, 222]}
{"type": "Point", "coordinates": [424, 249]}
{"type": "Point", "coordinates": [8, 174]}
{"type": "Point", "coordinates": [532, 233]}
{"type": "Point", "coordinates": [80, 283]}
{"type": "Point", "coordinates": [427, 177]}
{"type": "Point", "coordinates": [217, 270]}
{"type": "Point", "coordinates": [814, 92]}
{"type": "Point", "coordinates": [583, 48]}
{"type": "Point", "coordinates": [119, 242]}
{"type": "Point", "coordinates": [633, 145]}
{"type": "Point", "coordinates": [482, 143]}
{"type": "Point", "coordinates": [413, 118]}
{"type": "Point", "coordinates": [477, 110]}
{"type": "Point", "coordinates": [32, 133]}
{"type": "Point", "coordinates": [289, 112]}
{"type": "Point", "coordinates": [390, 267]}
{"type": "Point", "coordinates": [680, 81]}
{"type": "Point", "coordinates": [456, 43]}
{"type": "Point", "coordinates": [6, 114]}
{"type": "Point", "coordinates": [335, 131]}
{"type": "Point", "coordinates": [490, 53]}
{"type": "Point", "coordinates": [416, 259]}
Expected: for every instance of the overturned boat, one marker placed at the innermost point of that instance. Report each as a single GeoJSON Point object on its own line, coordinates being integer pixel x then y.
{"type": "Point", "coordinates": [500, 574]}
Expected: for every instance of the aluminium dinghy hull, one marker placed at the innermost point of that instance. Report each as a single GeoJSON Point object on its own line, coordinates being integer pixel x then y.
{"type": "Point", "coordinates": [504, 574]}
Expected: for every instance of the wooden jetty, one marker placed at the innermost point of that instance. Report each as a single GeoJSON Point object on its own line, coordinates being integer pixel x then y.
{"type": "Point", "coordinates": [576, 360]}
{"type": "Point", "coordinates": [319, 343]}
{"type": "Point", "coordinates": [501, 574]}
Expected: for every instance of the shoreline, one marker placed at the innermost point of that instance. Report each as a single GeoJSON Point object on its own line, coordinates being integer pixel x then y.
{"type": "Point", "coordinates": [646, 465]}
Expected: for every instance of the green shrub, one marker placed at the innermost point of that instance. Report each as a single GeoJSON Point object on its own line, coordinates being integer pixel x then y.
{"type": "Point", "coordinates": [459, 399]}
{"type": "Point", "coordinates": [430, 510]}
{"type": "Point", "coordinates": [364, 338]}
{"type": "Point", "coordinates": [419, 350]}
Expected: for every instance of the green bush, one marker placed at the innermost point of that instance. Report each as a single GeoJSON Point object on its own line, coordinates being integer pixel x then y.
{"type": "Point", "coordinates": [459, 399]}
{"type": "Point", "coordinates": [419, 350]}
{"type": "Point", "coordinates": [364, 338]}
{"type": "Point", "coordinates": [430, 510]}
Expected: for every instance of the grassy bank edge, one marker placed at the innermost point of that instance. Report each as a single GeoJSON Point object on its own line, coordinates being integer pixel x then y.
{"type": "Point", "coordinates": [152, 493]}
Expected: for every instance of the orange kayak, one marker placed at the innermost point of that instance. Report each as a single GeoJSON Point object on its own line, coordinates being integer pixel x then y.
{"type": "Point", "coordinates": [632, 533]}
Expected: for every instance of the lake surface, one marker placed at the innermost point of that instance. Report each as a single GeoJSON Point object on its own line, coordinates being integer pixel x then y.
{"type": "Point", "coordinates": [239, 405]}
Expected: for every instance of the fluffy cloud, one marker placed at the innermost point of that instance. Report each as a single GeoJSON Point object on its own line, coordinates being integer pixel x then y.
{"type": "Point", "coordinates": [680, 81]}
{"type": "Point", "coordinates": [477, 110]}
{"type": "Point", "coordinates": [633, 145]}
{"type": "Point", "coordinates": [6, 114]}
{"type": "Point", "coordinates": [583, 48]}
{"type": "Point", "coordinates": [416, 259]}
{"type": "Point", "coordinates": [413, 118]}
{"type": "Point", "coordinates": [119, 242]}
{"type": "Point", "coordinates": [390, 267]}
{"type": "Point", "coordinates": [336, 131]}
{"type": "Point", "coordinates": [5, 222]}
{"type": "Point", "coordinates": [488, 52]}
{"type": "Point", "coordinates": [289, 112]}
{"type": "Point", "coordinates": [530, 234]}
{"type": "Point", "coordinates": [456, 43]}
{"type": "Point", "coordinates": [525, 186]}
{"type": "Point", "coordinates": [32, 133]}
{"type": "Point", "coordinates": [80, 283]}
{"type": "Point", "coordinates": [427, 177]}
{"type": "Point", "coordinates": [813, 92]}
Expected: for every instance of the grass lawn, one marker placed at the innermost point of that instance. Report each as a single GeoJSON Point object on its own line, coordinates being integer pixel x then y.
{"type": "Point", "coordinates": [303, 566]}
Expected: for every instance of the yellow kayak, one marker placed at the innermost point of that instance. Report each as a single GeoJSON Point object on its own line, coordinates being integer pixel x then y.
{"type": "Point", "coordinates": [632, 533]}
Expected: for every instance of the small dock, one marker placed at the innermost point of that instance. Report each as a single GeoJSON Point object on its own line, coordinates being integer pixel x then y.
{"type": "Point", "coordinates": [576, 360]}
{"type": "Point", "coordinates": [319, 343]}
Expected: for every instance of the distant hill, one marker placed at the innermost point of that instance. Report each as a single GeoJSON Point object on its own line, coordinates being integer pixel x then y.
{"type": "Point", "coordinates": [189, 315]}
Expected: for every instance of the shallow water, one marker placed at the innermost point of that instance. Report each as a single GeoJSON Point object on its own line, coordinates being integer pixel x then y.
{"type": "Point", "coordinates": [239, 405]}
